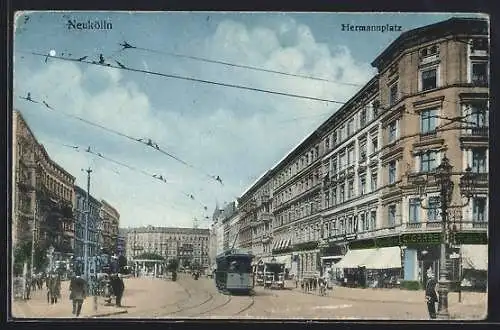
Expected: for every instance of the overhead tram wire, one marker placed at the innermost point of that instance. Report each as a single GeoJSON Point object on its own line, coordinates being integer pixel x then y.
{"type": "Point", "coordinates": [149, 142]}
{"type": "Point", "coordinates": [154, 73]}
{"type": "Point", "coordinates": [100, 155]}
{"type": "Point", "coordinates": [126, 45]}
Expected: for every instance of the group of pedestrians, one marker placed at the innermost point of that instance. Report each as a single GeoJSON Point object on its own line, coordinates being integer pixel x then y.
{"type": "Point", "coordinates": [79, 290]}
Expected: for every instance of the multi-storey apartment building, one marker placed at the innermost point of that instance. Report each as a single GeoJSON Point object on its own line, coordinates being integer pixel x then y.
{"type": "Point", "coordinates": [41, 189]}
{"type": "Point", "coordinates": [189, 245]}
{"type": "Point", "coordinates": [349, 185]}
{"type": "Point", "coordinates": [121, 244]}
{"type": "Point", "coordinates": [94, 223]}
{"type": "Point", "coordinates": [109, 230]}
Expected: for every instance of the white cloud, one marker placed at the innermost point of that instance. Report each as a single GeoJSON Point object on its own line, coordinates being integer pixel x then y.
{"type": "Point", "coordinates": [238, 140]}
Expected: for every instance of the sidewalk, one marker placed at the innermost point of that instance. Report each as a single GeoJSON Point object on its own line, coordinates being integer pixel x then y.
{"type": "Point", "coordinates": [37, 306]}
{"type": "Point", "coordinates": [473, 304]}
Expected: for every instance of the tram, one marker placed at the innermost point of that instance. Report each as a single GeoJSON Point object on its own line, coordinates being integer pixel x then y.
{"type": "Point", "coordinates": [234, 272]}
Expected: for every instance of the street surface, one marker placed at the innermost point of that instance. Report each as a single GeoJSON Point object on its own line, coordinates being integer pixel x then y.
{"type": "Point", "coordinates": [188, 298]}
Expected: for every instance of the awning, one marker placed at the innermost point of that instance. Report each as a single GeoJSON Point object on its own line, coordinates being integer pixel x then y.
{"type": "Point", "coordinates": [275, 245]}
{"type": "Point", "coordinates": [287, 260]}
{"type": "Point", "coordinates": [282, 243]}
{"type": "Point", "coordinates": [384, 258]}
{"type": "Point", "coordinates": [475, 257]}
{"type": "Point", "coordinates": [331, 257]}
{"type": "Point", "coordinates": [355, 258]}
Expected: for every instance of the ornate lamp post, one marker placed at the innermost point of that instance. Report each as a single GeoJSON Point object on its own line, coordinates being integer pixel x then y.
{"type": "Point", "coordinates": [50, 255]}
{"type": "Point", "coordinates": [442, 178]}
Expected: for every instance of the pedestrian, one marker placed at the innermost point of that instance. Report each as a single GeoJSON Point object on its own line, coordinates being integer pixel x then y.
{"type": "Point", "coordinates": [78, 293]}
{"type": "Point", "coordinates": [431, 297]}
{"type": "Point", "coordinates": [118, 288]}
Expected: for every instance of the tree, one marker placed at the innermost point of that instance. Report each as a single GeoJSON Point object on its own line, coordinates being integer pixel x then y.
{"type": "Point", "coordinates": [22, 254]}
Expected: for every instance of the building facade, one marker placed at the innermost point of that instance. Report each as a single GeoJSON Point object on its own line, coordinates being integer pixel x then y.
{"type": "Point", "coordinates": [349, 185]}
{"type": "Point", "coordinates": [41, 189]}
{"type": "Point", "coordinates": [189, 245]}
{"type": "Point", "coordinates": [121, 244]}
{"type": "Point", "coordinates": [110, 224]}
{"type": "Point", "coordinates": [94, 223]}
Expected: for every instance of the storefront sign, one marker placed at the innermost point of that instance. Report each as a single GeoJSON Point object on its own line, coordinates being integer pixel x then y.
{"type": "Point", "coordinates": [471, 238]}
{"type": "Point", "coordinates": [387, 241]}
{"type": "Point", "coordinates": [364, 244]}
{"type": "Point", "coordinates": [421, 238]}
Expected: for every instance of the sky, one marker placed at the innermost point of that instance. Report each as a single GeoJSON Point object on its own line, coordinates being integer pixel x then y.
{"type": "Point", "coordinates": [216, 130]}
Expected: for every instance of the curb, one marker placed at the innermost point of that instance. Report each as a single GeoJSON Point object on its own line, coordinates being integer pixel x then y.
{"type": "Point", "coordinates": [109, 314]}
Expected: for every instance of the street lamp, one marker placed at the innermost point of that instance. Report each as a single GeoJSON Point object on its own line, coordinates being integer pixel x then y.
{"type": "Point", "coordinates": [50, 255]}
{"type": "Point", "coordinates": [442, 178]}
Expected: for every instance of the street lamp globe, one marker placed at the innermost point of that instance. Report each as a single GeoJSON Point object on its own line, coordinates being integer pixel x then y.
{"type": "Point", "coordinates": [442, 173]}
{"type": "Point", "coordinates": [467, 183]}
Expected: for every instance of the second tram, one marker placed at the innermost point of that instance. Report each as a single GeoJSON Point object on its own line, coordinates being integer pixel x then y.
{"type": "Point", "coordinates": [234, 272]}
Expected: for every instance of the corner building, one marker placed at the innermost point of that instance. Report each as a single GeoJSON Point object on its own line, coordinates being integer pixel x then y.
{"type": "Point", "coordinates": [346, 194]}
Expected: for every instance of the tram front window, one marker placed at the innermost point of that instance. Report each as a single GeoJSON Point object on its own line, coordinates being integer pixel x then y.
{"type": "Point", "coordinates": [240, 266]}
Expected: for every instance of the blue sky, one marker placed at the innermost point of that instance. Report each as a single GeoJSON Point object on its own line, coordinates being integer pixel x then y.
{"type": "Point", "coordinates": [231, 133]}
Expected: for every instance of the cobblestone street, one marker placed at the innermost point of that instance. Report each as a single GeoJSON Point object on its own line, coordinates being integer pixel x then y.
{"type": "Point", "coordinates": [159, 298]}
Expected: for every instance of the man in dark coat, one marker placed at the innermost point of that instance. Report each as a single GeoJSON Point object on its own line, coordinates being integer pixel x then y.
{"type": "Point", "coordinates": [78, 292]}
{"type": "Point", "coordinates": [431, 296]}
{"type": "Point", "coordinates": [118, 288]}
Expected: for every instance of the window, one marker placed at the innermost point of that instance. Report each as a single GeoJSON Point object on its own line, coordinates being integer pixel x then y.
{"type": "Point", "coordinates": [374, 144]}
{"type": "Point", "coordinates": [479, 73]}
{"type": "Point", "coordinates": [362, 151]}
{"type": "Point", "coordinates": [428, 121]}
{"type": "Point", "coordinates": [393, 94]}
{"type": "Point", "coordinates": [479, 160]}
{"type": "Point", "coordinates": [428, 161]}
{"type": "Point", "coordinates": [350, 156]}
{"type": "Point", "coordinates": [342, 193]}
{"type": "Point", "coordinates": [327, 143]}
{"type": "Point", "coordinates": [327, 199]}
{"type": "Point", "coordinates": [477, 114]}
{"type": "Point", "coordinates": [334, 139]}
{"type": "Point", "coordinates": [392, 215]}
{"type": "Point", "coordinates": [374, 179]}
{"type": "Point", "coordinates": [479, 210]}
{"type": "Point", "coordinates": [342, 161]}
{"type": "Point", "coordinates": [392, 172]}
{"type": "Point", "coordinates": [334, 196]}
{"type": "Point", "coordinates": [429, 79]}
{"type": "Point", "coordinates": [376, 105]}
{"type": "Point", "coordinates": [350, 191]}
{"type": "Point", "coordinates": [362, 223]}
{"type": "Point", "coordinates": [350, 127]}
{"type": "Point", "coordinates": [433, 211]}
{"type": "Point", "coordinates": [479, 44]}
{"type": "Point", "coordinates": [392, 131]}
{"type": "Point", "coordinates": [414, 206]}
{"type": "Point", "coordinates": [362, 118]}
{"type": "Point", "coordinates": [362, 186]}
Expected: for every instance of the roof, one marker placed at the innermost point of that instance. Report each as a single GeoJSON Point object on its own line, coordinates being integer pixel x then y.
{"type": "Point", "coordinates": [172, 230]}
{"type": "Point", "coordinates": [455, 25]}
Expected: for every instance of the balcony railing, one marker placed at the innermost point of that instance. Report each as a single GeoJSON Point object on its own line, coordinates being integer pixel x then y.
{"type": "Point", "coordinates": [265, 217]}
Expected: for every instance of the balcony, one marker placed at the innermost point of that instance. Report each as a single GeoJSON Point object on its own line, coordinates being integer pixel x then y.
{"type": "Point", "coordinates": [266, 217]}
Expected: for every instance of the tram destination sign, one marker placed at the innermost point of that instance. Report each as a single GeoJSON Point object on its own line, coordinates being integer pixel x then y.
{"type": "Point", "coordinates": [421, 238]}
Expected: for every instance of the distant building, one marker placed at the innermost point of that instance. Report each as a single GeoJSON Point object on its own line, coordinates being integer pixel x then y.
{"type": "Point", "coordinates": [189, 245]}
{"type": "Point", "coordinates": [109, 230]}
{"type": "Point", "coordinates": [121, 244]}
{"type": "Point", "coordinates": [94, 223]}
